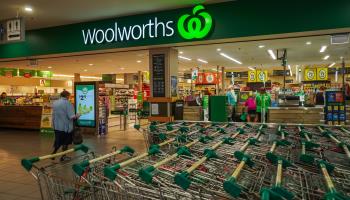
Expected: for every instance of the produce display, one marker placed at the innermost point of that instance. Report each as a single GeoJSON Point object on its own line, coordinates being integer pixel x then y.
{"type": "Point", "coordinates": [204, 160]}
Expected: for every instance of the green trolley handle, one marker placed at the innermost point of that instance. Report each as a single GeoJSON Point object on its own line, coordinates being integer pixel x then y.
{"type": "Point", "coordinates": [80, 168]}
{"type": "Point", "coordinates": [28, 163]}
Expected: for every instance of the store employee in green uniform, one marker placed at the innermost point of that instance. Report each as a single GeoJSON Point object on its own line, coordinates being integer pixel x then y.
{"type": "Point", "coordinates": [263, 102]}
{"type": "Point", "coordinates": [4, 100]}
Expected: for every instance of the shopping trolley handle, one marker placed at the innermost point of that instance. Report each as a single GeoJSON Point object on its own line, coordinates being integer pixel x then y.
{"type": "Point", "coordinates": [27, 163]}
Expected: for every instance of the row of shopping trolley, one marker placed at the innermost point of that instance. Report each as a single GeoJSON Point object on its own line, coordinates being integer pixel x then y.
{"type": "Point", "coordinates": [203, 160]}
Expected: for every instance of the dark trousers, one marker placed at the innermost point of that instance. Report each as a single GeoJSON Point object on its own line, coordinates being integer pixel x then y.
{"type": "Point", "coordinates": [62, 139]}
{"type": "Point", "coordinates": [233, 116]}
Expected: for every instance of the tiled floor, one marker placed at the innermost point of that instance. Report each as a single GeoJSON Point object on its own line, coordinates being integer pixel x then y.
{"type": "Point", "coordinates": [17, 183]}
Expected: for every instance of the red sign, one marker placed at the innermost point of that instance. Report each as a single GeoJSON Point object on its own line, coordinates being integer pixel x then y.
{"type": "Point", "coordinates": [208, 78]}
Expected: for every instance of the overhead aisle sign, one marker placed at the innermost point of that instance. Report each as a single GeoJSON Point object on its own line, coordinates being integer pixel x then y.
{"type": "Point", "coordinates": [316, 74]}
{"type": "Point", "coordinates": [322, 74]}
{"type": "Point", "coordinates": [252, 76]}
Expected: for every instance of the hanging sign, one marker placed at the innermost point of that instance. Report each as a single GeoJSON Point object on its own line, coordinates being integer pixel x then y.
{"type": "Point", "coordinates": [194, 74]}
{"type": "Point", "coordinates": [310, 75]}
{"type": "Point", "coordinates": [261, 76]}
{"type": "Point", "coordinates": [322, 74]}
{"type": "Point", "coordinates": [207, 78]}
{"type": "Point", "coordinates": [12, 30]}
{"type": "Point", "coordinates": [252, 76]}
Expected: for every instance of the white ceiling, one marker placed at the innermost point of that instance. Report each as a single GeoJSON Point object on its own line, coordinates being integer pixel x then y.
{"type": "Point", "coordinates": [47, 13]}
{"type": "Point", "coordinates": [247, 52]}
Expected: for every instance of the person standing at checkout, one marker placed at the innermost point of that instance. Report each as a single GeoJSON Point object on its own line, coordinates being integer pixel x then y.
{"type": "Point", "coordinates": [263, 102]}
{"type": "Point", "coordinates": [231, 100]}
{"type": "Point", "coordinates": [63, 116]}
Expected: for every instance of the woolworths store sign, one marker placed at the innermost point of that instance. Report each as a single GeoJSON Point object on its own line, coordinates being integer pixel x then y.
{"type": "Point", "coordinates": [195, 25]}
{"type": "Point", "coordinates": [233, 19]}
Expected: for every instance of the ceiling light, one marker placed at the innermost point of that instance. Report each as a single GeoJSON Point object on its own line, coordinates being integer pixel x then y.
{"type": "Point", "coordinates": [218, 49]}
{"type": "Point", "coordinates": [181, 52]}
{"type": "Point", "coordinates": [202, 61]}
{"type": "Point", "coordinates": [91, 77]}
{"type": "Point", "coordinates": [91, 64]}
{"type": "Point", "coordinates": [49, 67]}
{"type": "Point", "coordinates": [139, 61]}
{"type": "Point", "coordinates": [331, 65]}
{"type": "Point", "coordinates": [323, 49]}
{"type": "Point", "coordinates": [122, 68]}
{"type": "Point", "coordinates": [28, 9]}
{"type": "Point", "coordinates": [326, 57]}
{"type": "Point", "coordinates": [272, 54]}
{"type": "Point", "coordinates": [63, 75]}
{"type": "Point", "coordinates": [261, 46]}
{"type": "Point", "coordinates": [185, 58]}
{"type": "Point", "coordinates": [251, 68]}
{"type": "Point", "coordinates": [308, 43]}
{"type": "Point", "coordinates": [230, 58]}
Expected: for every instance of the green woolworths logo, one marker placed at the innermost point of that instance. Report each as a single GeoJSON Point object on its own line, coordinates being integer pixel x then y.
{"type": "Point", "coordinates": [196, 26]}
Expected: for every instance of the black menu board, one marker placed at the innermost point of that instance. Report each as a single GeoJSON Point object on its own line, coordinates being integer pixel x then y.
{"type": "Point", "coordinates": [158, 71]}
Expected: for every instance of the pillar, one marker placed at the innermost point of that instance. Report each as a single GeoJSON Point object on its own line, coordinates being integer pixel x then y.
{"type": "Point", "coordinates": [163, 67]}
{"type": "Point", "coordinates": [140, 81]}
{"type": "Point", "coordinates": [223, 80]}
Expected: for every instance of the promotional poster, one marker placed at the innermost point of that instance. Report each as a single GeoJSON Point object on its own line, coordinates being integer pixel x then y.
{"type": "Point", "coordinates": [85, 104]}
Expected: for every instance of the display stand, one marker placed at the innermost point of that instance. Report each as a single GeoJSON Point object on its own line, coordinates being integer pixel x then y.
{"type": "Point", "coordinates": [335, 108]}
{"type": "Point", "coordinates": [46, 126]}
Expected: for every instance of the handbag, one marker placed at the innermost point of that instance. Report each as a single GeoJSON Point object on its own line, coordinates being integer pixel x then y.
{"type": "Point", "coordinates": [77, 136]}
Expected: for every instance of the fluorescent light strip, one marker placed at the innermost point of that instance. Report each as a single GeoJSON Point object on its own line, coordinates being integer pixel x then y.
{"type": "Point", "coordinates": [185, 58]}
{"type": "Point", "coordinates": [91, 77]}
{"type": "Point", "coordinates": [63, 75]}
{"type": "Point", "coordinates": [331, 65]}
{"type": "Point", "coordinates": [323, 49]}
{"type": "Point", "coordinates": [326, 57]}
{"type": "Point", "coordinates": [202, 61]}
{"type": "Point", "coordinates": [230, 58]}
{"type": "Point", "coordinates": [272, 54]}
{"type": "Point", "coordinates": [251, 68]}
{"type": "Point", "coordinates": [71, 76]}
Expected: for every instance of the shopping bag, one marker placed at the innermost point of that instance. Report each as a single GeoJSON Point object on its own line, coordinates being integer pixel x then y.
{"type": "Point", "coordinates": [243, 117]}
{"type": "Point", "coordinates": [77, 136]}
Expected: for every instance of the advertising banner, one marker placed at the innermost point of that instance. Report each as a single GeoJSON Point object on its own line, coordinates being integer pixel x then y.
{"type": "Point", "coordinates": [85, 104]}
{"type": "Point", "coordinates": [27, 73]}
{"type": "Point", "coordinates": [8, 72]}
{"type": "Point", "coordinates": [252, 76]}
{"type": "Point", "coordinates": [310, 75]}
{"type": "Point", "coordinates": [322, 74]}
{"type": "Point", "coordinates": [207, 78]}
{"type": "Point", "coordinates": [44, 74]}
{"type": "Point", "coordinates": [205, 105]}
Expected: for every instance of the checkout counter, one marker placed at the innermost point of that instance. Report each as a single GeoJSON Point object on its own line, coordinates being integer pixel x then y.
{"type": "Point", "coordinates": [20, 117]}
{"type": "Point", "coordinates": [291, 110]}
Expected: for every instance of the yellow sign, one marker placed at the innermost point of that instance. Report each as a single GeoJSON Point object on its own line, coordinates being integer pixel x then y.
{"type": "Point", "coordinates": [261, 76]}
{"type": "Point", "coordinates": [252, 76]}
{"type": "Point", "coordinates": [322, 74]}
{"type": "Point", "coordinates": [310, 75]}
